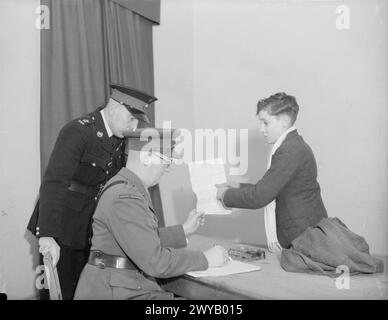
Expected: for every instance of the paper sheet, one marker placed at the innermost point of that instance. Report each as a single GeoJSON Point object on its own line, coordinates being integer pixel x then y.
{"type": "Point", "coordinates": [231, 267]}
{"type": "Point", "coordinates": [203, 176]}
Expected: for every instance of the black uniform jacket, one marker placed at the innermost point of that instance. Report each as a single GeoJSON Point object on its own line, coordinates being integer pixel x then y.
{"type": "Point", "coordinates": [292, 182]}
{"type": "Point", "coordinates": [84, 158]}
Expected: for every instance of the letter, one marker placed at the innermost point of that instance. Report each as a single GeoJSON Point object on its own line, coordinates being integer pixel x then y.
{"type": "Point", "coordinates": [343, 18]}
{"type": "Point", "coordinates": [148, 310]}
{"type": "Point", "coordinates": [41, 280]}
{"type": "Point", "coordinates": [342, 282]}
{"type": "Point", "coordinates": [43, 21]}
{"type": "Point", "coordinates": [148, 135]}
{"type": "Point", "coordinates": [167, 142]}
{"type": "Point", "coordinates": [217, 309]}
{"type": "Point", "coordinates": [184, 144]}
{"type": "Point", "coordinates": [210, 136]}
{"type": "Point", "coordinates": [233, 160]}
{"type": "Point", "coordinates": [176, 309]}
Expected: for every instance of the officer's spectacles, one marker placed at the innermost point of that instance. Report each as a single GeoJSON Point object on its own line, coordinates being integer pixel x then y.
{"type": "Point", "coordinates": [166, 161]}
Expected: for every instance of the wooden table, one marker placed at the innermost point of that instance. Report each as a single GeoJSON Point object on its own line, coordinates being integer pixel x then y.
{"type": "Point", "coordinates": [272, 282]}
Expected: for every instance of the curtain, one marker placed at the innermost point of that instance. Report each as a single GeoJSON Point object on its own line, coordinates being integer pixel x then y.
{"type": "Point", "coordinates": [149, 9]}
{"type": "Point", "coordinates": [90, 44]}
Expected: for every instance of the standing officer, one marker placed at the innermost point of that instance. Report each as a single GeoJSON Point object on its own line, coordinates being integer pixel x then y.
{"type": "Point", "coordinates": [128, 249]}
{"type": "Point", "coordinates": [88, 152]}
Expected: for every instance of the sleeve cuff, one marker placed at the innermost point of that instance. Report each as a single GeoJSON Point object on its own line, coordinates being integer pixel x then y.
{"type": "Point", "coordinates": [172, 237]}
{"type": "Point", "coordinates": [222, 200]}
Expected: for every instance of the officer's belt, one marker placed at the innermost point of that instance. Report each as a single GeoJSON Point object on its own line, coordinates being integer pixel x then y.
{"type": "Point", "coordinates": [81, 188]}
{"type": "Point", "coordinates": [103, 260]}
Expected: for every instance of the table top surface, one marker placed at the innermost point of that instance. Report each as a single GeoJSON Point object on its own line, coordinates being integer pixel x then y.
{"type": "Point", "coordinates": [273, 282]}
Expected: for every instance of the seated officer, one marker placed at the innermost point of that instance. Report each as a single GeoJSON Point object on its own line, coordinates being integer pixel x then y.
{"type": "Point", "coordinates": [128, 249]}
{"type": "Point", "coordinates": [88, 152]}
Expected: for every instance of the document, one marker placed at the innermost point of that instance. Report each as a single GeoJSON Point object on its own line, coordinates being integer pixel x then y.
{"type": "Point", "coordinates": [203, 176]}
{"type": "Point", "coordinates": [231, 267]}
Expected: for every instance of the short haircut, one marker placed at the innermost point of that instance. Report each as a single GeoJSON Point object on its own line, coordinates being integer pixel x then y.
{"type": "Point", "coordinates": [279, 103]}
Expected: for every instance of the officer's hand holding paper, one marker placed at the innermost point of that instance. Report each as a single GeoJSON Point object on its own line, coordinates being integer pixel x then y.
{"type": "Point", "coordinates": [194, 220]}
{"type": "Point", "coordinates": [204, 175]}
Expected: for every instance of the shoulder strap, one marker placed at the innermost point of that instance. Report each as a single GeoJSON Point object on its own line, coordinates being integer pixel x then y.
{"type": "Point", "coordinates": [86, 120]}
{"type": "Point", "coordinates": [108, 186]}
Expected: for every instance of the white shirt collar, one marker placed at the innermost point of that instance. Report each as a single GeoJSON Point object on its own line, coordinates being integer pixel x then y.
{"type": "Point", "coordinates": [108, 130]}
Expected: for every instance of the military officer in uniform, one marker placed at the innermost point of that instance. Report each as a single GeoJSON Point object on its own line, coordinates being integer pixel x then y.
{"type": "Point", "coordinates": [88, 152]}
{"type": "Point", "coordinates": [129, 251]}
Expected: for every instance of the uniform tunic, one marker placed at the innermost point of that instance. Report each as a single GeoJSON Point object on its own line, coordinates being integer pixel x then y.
{"type": "Point", "coordinates": [125, 225]}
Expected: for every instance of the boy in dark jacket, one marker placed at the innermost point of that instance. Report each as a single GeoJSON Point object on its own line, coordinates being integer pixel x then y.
{"type": "Point", "coordinates": [289, 190]}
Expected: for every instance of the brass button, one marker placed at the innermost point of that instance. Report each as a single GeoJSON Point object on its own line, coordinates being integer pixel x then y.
{"type": "Point", "coordinates": [93, 164]}
{"type": "Point", "coordinates": [37, 233]}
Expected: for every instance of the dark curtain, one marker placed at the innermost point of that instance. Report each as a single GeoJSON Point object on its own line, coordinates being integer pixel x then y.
{"type": "Point", "coordinates": [90, 44]}
{"type": "Point", "coordinates": [149, 9]}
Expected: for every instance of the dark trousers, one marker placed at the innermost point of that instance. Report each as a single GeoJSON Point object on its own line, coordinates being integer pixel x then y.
{"type": "Point", "coordinates": [69, 267]}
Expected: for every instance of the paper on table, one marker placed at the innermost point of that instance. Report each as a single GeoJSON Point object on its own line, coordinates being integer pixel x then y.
{"type": "Point", "coordinates": [203, 176]}
{"type": "Point", "coordinates": [231, 267]}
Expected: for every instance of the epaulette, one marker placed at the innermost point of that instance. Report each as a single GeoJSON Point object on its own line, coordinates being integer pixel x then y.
{"type": "Point", "coordinates": [87, 120]}
{"type": "Point", "coordinates": [130, 196]}
{"type": "Point", "coordinates": [130, 192]}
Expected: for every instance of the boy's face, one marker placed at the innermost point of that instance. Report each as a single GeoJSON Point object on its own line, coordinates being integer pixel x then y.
{"type": "Point", "coordinates": [272, 127]}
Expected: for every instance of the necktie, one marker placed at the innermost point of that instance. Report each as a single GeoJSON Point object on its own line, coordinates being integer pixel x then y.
{"type": "Point", "coordinates": [116, 141]}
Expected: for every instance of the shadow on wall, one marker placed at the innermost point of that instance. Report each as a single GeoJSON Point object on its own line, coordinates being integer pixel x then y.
{"type": "Point", "coordinates": [34, 252]}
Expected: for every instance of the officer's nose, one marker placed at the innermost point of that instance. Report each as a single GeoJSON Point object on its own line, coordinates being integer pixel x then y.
{"type": "Point", "coordinates": [135, 123]}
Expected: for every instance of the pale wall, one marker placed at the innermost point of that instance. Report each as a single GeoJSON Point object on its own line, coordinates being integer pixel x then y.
{"type": "Point", "coordinates": [245, 50]}
{"type": "Point", "coordinates": [19, 142]}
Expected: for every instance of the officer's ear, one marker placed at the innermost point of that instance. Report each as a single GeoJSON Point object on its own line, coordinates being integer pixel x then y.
{"type": "Point", "coordinates": [112, 107]}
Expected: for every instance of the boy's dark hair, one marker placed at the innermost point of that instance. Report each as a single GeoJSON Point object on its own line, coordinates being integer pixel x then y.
{"type": "Point", "coordinates": [279, 103]}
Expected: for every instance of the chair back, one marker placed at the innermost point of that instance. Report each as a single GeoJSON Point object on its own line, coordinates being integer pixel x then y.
{"type": "Point", "coordinates": [52, 278]}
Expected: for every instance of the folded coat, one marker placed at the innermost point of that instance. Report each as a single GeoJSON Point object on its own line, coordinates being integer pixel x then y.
{"type": "Point", "coordinates": [322, 248]}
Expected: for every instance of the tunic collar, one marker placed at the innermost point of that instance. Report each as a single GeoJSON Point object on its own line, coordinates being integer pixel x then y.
{"type": "Point", "coordinates": [137, 183]}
